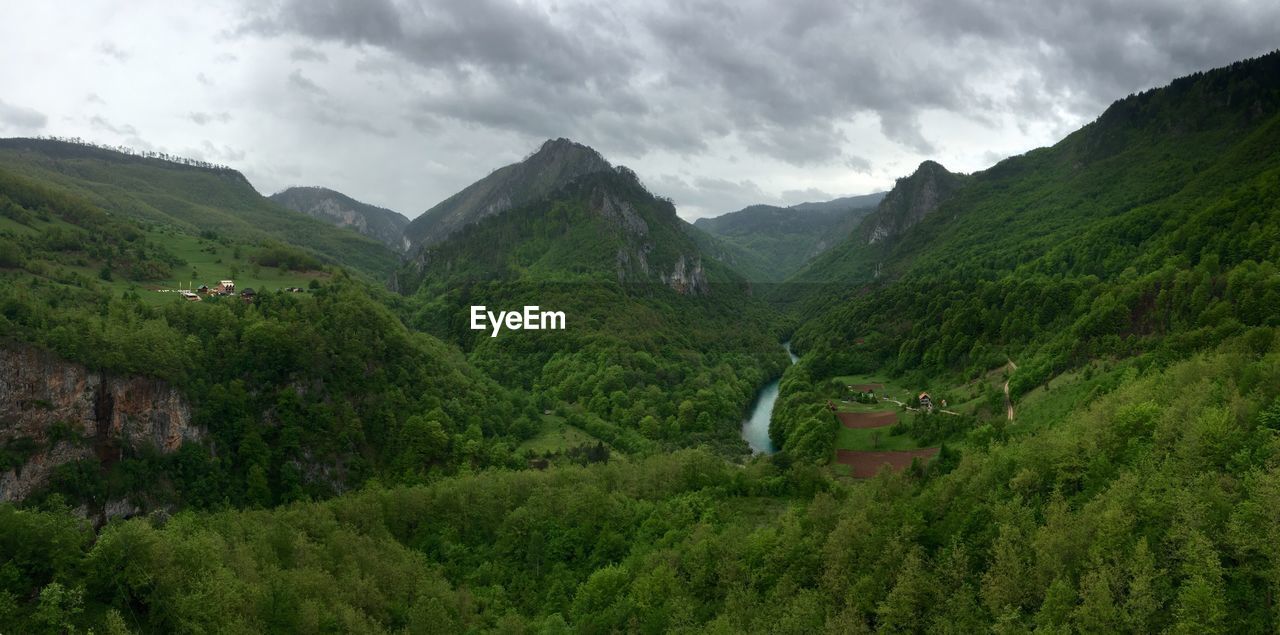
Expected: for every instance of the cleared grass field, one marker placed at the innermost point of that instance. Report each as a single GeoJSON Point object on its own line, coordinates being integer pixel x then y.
{"type": "Point", "coordinates": [556, 436]}
{"type": "Point", "coordinates": [872, 439]}
{"type": "Point", "coordinates": [209, 261]}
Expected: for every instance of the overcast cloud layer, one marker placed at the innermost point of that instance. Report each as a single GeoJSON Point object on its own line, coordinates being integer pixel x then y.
{"type": "Point", "coordinates": [716, 104]}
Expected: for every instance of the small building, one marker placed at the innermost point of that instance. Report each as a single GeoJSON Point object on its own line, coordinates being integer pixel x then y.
{"type": "Point", "coordinates": [190, 297]}
{"type": "Point", "coordinates": [925, 402]}
{"type": "Point", "coordinates": [204, 290]}
{"type": "Point", "coordinates": [248, 293]}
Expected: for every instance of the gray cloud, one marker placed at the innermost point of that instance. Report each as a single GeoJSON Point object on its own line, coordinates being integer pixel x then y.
{"type": "Point", "coordinates": [717, 103]}
{"type": "Point", "coordinates": [109, 49]}
{"type": "Point", "coordinates": [203, 118]}
{"type": "Point", "coordinates": [20, 119]}
{"type": "Point", "coordinates": [305, 54]}
{"type": "Point", "coordinates": [858, 164]}
{"type": "Point", "coordinates": [300, 81]}
{"type": "Point", "coordinates": [781, 77]}
{"type": "Point", "coordinates": [100, 123]}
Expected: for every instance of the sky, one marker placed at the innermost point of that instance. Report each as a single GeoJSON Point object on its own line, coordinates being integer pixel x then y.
{"type": "Point", "coordinates": [716, 104]}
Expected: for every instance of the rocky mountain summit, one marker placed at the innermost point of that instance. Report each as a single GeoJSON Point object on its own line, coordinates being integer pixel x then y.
{"type": "Point", "coordinates": [554, 164]}
{"type": "Point", "coordinates": [911, 199]}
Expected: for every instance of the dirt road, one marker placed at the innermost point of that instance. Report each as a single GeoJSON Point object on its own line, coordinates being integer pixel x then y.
{"type": "Point", "coordinates": [1008, 403]}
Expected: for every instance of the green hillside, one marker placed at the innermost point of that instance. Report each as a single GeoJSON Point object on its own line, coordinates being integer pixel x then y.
{"type": "Point", "coordinates": [1077, 351]}
{"type": "Point", "coordinates": [663, 342]}
{"type": "Point", "coordinates": [192, 198]}
{"type": "Point", "coordinates": [766, 243]}
{"type": "Point", "coordinates": [1140, 232]}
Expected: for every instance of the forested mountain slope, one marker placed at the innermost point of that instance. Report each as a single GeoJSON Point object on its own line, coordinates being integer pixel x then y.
{"type": "Point", "coordinates": [660, 339]}
{"type": "Point", "coordinates": [1151, 229]}
{"type": "Point", "coordinates": [1151, 510]}
{"type": "Point", "coordinates": [286, 397]}
{"type": "Point", "coordinates": [554, 164]}
{"type": "Point", "coordinates": [337, 208]}
{"type": "Point", "coordinates": [858, 257]}
{"type": "Point", "coordinates": [1130, 270]}
{"type": "Point", "coordinates": [766, 243]}
{"type": "Point", "coordinates": [192, 198]}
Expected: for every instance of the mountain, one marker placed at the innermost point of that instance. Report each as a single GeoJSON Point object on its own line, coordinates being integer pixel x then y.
{"type": "Point", "coordinates": [603, 227]}
{"type": "Point", "coordinates": [556, 163]}
{"type": "Point", "coordinates": [843, 203]}
{"type": "Point", "coordinates": [910, 200]}
{"type": "Point", "coordinates": [630, 276]}
{"type": "Point", "coordinates": [336, 208]}
{"type": "Point", "coordinates": [859, 254]}
{"type": "Point", "coordinates": [1144, 231]}
{"type": "Point", "coordinates": [1094, 321]}
{"type": "Point", "coordinates": [767, 243]}
{"type": "Point", "coordinates": [191, 197]}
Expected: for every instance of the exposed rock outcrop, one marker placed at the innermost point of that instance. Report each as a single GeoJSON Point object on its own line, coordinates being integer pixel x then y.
{"type": "Point", "coordinates": [911, 199]}
{"type": "Point", "coordinates": [54, 412]}
{"type": "Point", "coordinates": [687, 277]}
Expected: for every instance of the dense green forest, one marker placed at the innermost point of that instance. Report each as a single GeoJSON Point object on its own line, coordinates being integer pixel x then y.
{"type": "Point", "coordinates": [1096, 321]}
{"type": "Point", "coordinates": [681, 356]}
{"type": "Point", "coordinates": [1150, 509]}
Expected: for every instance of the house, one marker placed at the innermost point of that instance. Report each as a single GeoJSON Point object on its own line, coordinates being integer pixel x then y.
{"type": "Point", "coordinates": [225, 287]}
{"type": "Point", "coordinates": [925, 402]}
{"type": "Point", "coordinates": [248, 293]}
{"type": "Point", "coordinates": [203, 290]}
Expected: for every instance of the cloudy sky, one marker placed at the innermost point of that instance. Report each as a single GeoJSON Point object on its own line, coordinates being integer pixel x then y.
{"type": "Point", "coordinates": [717, 104]}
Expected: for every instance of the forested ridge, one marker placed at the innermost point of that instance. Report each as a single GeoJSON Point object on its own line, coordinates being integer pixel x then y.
{"type": "Point", "coordinates": [371, 464]}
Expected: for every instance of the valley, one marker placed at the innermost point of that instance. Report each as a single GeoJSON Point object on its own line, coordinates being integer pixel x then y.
{"type": "Point", "coordinates": [551, 404]}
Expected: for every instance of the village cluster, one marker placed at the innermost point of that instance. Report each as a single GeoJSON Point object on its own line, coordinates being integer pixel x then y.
{"type": "Point", "coordinates": [224, 288]}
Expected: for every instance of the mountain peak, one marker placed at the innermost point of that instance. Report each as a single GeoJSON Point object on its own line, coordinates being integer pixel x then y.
{"type": "Point", "coordinates": [555, 163]}
{"type": "Point", "coordinates": [562, 143]}
{"type": "Point", "coordinates": [930, 166]}
{"type": "Point", "coordinates": [911, 199]}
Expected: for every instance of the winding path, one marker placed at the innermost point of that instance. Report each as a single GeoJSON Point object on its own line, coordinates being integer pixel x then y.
{"type": "Point", "coordinates": [1008, 403]}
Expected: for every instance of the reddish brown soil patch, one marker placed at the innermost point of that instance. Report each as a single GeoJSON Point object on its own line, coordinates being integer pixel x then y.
{"type": "Point", "coordinates": [866, 387]}
{"type": "Point", "coordinates": [858, 420]}
{"type": "Point", "coordinates": [868, 464]}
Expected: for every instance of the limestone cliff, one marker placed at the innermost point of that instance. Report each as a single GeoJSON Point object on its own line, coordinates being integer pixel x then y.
{"type": "Point", "coordinates": [910, 200]}
{"type": "Point", "coordinates": [54, 412]}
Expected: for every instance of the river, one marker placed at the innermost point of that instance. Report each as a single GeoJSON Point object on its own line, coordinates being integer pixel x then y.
{"type": "Point", "coordinates": [755, 429]}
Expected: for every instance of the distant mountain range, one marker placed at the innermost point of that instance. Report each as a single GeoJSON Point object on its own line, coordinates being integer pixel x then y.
{"type": "Point", "coordinates": [337, 208]}
{"type": "Point", "coordinates": [195, 199]}
{"type": "Point", "coordinates": [768, 243]}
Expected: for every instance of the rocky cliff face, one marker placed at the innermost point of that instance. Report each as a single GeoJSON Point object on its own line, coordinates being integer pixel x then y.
{"type": "Point", "coordinates": [911, 199]}
{"type": "Point", "coordinates": [54, 412]}
{"type": "Point", "coordinates": [687, 277]}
